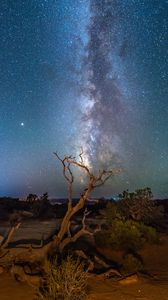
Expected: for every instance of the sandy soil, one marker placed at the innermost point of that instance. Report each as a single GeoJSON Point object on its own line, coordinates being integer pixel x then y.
{"type": "Point", "coordinates": [10, 289]}
{"type": "Point", "coordinates": [155, 259]}
{"type": "Point", "coordinates": [99, 290]}
{"type": "Point", "coordinates": [143, 290]}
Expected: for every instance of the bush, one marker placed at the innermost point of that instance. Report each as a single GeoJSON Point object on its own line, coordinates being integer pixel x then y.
{"type": "Point", "coordinates": [66, 281]}
{"type": "Point", "coordinates": [114, 211]}
{"type": "Point", "coordinates": [148, 233]}
{"type": "Point", "coordinates": [126, 235]}
{"type": "Point", "coordinates": [132, 263]}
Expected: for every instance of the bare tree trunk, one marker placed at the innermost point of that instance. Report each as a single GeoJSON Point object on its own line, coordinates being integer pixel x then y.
{"type": "Point", "coordinates": [10, 235]}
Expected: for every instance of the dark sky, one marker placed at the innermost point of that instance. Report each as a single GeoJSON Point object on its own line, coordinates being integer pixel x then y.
{"type": "Point", "coordinates": [83, 73]}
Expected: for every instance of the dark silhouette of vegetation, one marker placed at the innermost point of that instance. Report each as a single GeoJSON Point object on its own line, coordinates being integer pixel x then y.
{"type": "Point", "coordinates": [41, 208]}
{"type": "Point", "coordinates": [31, 198]}
{"type": "Point", "coordinates": [139, 205]}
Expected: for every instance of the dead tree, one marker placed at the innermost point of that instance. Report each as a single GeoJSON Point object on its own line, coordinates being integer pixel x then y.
{"type": "Point", "coordinates": [94, 181]}
{"type": "Point", "coordinates": [63, 237]}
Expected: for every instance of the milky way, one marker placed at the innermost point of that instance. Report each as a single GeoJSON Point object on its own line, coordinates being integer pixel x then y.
{"type": "Point", "coordinates": [102, 100]}
{"type": "Point", "coordinates": [83, 73]}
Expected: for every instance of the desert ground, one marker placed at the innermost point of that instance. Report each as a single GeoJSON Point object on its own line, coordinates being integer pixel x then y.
{"type": "Point", "coordinates": [155, 259]}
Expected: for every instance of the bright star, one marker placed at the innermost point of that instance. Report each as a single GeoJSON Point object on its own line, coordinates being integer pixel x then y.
{"type": "Point", "coordinates": [22, 124]}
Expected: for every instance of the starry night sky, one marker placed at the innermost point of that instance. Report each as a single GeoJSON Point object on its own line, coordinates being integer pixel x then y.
{"type": "Point", "coordinates": [91, 73]}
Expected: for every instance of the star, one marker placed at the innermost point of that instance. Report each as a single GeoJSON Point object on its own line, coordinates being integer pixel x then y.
{"type": "Point", "coordinates": [22, 124]}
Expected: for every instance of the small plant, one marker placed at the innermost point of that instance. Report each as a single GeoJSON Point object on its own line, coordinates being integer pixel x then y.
{"type": "Point", "coordinates": [65, 281]}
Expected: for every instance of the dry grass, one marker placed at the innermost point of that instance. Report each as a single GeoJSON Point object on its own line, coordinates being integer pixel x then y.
{"type": "Point", "coordinates": [66, 281]}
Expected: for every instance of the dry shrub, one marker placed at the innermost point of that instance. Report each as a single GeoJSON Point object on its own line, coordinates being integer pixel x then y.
{"type": "Point", "coordinates": [65, 281]}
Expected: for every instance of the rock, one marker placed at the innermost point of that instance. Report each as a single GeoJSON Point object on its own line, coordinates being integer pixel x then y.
{"type": "Point", "coordinates": [129, 280]}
